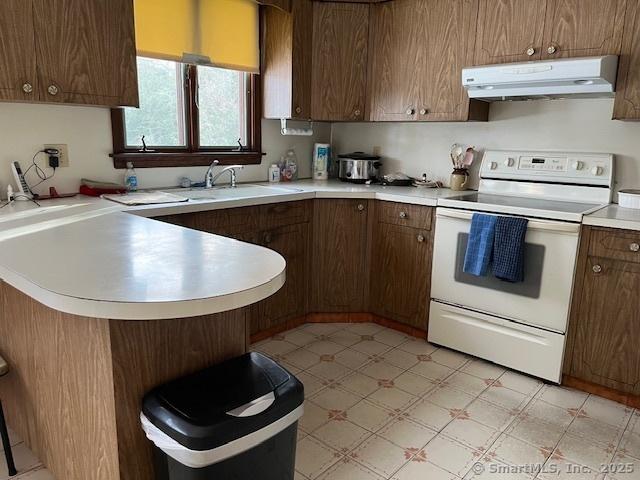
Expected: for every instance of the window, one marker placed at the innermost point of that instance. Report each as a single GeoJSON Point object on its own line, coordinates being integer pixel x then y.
{"type": "Point", "coordinates": [188, 115]}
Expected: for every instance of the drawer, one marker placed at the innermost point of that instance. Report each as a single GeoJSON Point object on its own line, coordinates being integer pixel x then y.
{"type": "Point", "coordinates": [520, 347]}
{"type": "Point", "coordinates": [284, 213]}
{"type": "Point", "coordinates": [417, 216]}
{"type": "Point", "coordinates": [224, 222]}
{"type": "Point", "coordinates": [616, 244]}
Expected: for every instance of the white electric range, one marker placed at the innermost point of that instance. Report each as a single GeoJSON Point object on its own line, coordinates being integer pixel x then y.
{"type": "Point", "coordinates": [519, 325]}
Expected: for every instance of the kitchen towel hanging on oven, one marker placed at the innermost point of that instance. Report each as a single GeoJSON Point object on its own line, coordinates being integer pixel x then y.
{"type": "Point", "coordinates": [508, 248]}
{"type": "Point", "coordinates": [480, 244]}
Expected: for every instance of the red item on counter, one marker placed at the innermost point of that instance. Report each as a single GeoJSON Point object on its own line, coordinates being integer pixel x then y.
{"type": "Point", "coordinates": [96, 192]}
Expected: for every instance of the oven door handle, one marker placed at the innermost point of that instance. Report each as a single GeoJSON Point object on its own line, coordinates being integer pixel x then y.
{"type": "Point", "coordinates": [534, 224]}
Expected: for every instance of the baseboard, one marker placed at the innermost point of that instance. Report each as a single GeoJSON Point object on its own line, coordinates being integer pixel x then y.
{"type": "Point", "coordinates": [617, 396]}
{"type": "Point", "coordinates": [339, 318]}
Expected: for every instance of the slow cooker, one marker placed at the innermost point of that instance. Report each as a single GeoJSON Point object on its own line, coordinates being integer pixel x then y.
{"type": "Point", "coordinates": [359, 167]}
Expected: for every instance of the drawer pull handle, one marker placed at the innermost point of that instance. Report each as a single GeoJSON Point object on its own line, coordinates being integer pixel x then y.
{"type": "Point", "coordinates": [420, 238]}
{"type": "Point", "coordinates": [403, 214]}
{"type": "Point", "coordinates": [634, 247]}
{"type": "Point", "coordinates": [360, 207]}
{"type": "Point", "coordinates": [597, 269]}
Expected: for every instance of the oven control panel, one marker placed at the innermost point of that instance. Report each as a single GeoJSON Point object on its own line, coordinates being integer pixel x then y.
{"type": "Point", "coordinates": [548, 167]}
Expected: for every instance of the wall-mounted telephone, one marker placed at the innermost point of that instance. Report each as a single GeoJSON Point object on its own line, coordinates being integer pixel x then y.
{"type": "Point", "coordinates": [18, 175]}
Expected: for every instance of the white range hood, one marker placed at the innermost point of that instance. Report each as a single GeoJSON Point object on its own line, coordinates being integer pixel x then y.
{"type": "Point", "coordinates": [581, 77]}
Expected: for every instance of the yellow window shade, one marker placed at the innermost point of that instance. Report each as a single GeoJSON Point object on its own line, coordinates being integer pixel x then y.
{"type": "Point", "coordinates": [223, 33]}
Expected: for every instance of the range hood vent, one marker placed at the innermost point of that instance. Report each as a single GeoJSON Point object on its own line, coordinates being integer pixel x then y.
{"type": "Point", "coordinates": [572, 77]}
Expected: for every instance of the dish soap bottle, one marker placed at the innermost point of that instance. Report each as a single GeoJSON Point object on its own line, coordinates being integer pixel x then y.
{"type": "Point", "coordinates": [290, 165]}
{"type": "Point", "coordinates": [130, 178]}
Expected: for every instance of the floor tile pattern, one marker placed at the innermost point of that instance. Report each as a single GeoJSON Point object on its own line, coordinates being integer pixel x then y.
{"type": "Point", "coordinates": [383, 406]}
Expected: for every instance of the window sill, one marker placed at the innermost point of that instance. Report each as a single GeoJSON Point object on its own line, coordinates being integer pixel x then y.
{"type": "Point", "coordinates": [184, 159]}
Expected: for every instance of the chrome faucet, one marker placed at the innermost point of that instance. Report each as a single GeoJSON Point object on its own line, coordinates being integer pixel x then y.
{"type": "Point", "coordinates": [210, 178]}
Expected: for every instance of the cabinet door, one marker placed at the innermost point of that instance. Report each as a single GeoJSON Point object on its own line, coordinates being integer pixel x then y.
{"type": "Point", "coordinates": [398, 59]}
{"type": "Point", "coordinates": [608, 326]}
{"type": "Point", "coordinates": [582, 28]}
{"type": "Point", "coordinates": [286, 61]}
{"type": "Point", "coordinates": [339, 275]}
{"type": "Point", "coordinates": [86, 51]}
{"type": "Point", "coordinates": [290, 301]}
{"type": "Point", "coordinates": [509, 31]}
{"type": "Point", "coordinates": [340, 44]}
{"type": "Point", "coordinates": [401, 274]}
{"type": "Point", "coordinates": [17, 51]}
{"type": "Point", "coordinates": [627, 103]}
{"type": "Point", "coordinates": [448, 47]}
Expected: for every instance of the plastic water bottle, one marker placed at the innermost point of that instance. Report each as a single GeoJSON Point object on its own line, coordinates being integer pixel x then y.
{"type": "Point", "coordinates": [130, 178]}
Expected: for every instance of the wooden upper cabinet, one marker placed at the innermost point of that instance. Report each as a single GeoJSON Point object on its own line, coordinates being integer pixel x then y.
{"type": "Point", "coordinates": [627, 104]}
{"type": "Point", "coordinates": [583, 28]}
{"type": "Point", "coordinates": [339, 71]}
{"type": "Point", "coordinates": [397, 65]}
{"type": "Point", "coordinates": [418, 50]}
{"type": "Point", "coordinates": [448, 30]}
{"type": "Point", "coordinates": [522, 30]}
{"type": "Point", "coordinates": [18, 79]}
{"type": "Point", "coordinates": [86, 51]}
{"type": "Point", "coordinates": [286, 61]}
{"type": "Point", "coordinates": [509, 31]}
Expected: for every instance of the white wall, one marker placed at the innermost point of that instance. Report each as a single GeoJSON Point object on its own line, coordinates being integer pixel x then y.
{"type": "Point", "coordinates": [25, 128]}
{"type": "Point", "coordinates": [572, 125]}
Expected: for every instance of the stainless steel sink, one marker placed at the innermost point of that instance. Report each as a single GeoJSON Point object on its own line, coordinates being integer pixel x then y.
{"type": "Point", "coordinates": [228, 193]}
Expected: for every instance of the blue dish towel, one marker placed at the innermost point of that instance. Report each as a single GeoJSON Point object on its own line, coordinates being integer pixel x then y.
{"type": "Point", "coordinates": [508, 248]}
{"type": "Point", "coordinates": [480, 244]}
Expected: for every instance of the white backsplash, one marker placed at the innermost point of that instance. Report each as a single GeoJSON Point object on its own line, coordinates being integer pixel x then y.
{"type": "Point", "coordinates": [25, 128]}
{"type": "Point", "coordinates": [572, 125]}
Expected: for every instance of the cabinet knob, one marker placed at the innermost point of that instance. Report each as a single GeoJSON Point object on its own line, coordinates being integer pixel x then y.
{"type": "Point", "coordinates": [360, 207]}
{"type": "Point", "coordinates": [634, 247]}
{"type": "Point", "coordinates": [410, 111]}
{"type": "Point", "coordinates": [298, 110]}
{"type": "Point", "coordinates": [420, 238]}
{"type": "Point", "coordinates": [531, 51]}
{"type": "Point", "coordinates": [403, 214]}
{"type": "Point", "coordinates": [596, 268]}
{"type": "Point", "coordinates": [27, 88]}
{"type": "Point", "coordinates": [267, 238]}
{"type": "Point", "coordinates": [357, 112]}
{"type": "Point", "coordinates": [552, 49]}
{"type": "Point", "coordinates": [424, 111]}
{"type": "Point", "coordinates": [53, 90]}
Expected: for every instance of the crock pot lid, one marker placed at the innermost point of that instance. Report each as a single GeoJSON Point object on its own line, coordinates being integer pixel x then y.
{"type": "Point", "coordinates": [359, 156]}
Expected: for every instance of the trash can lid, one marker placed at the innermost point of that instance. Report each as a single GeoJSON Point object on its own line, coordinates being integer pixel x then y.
{"type": "Point", "coordinates": [195, 410]}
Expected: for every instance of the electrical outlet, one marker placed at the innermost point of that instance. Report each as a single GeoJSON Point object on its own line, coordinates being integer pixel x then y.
{"type": "Point", "coordinates": [376, 151]}
{"type": "Point", "coordinates": [64, 153]}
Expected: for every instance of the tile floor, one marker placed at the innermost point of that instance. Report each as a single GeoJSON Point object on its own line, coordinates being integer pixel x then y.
{"type": "Point", "coordinates": [380, 405]}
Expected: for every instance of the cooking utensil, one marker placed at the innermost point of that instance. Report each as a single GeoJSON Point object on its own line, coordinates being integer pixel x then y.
{"type": "Point", "coordinates": [469, 155]}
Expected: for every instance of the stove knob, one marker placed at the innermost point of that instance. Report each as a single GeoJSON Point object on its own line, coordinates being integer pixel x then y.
{"type": "Point", "coordinates": [578, 165]}
{"type": "Point", "coordinates": [597, 171]}
{"type": "Point", "coordinates": [493, 165]}
{"type": "Point", "coordinates": [509, 162]}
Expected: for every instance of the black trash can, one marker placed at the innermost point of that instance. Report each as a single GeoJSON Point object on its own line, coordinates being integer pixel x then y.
{"type": "Point", "coordinates": [237, 420]}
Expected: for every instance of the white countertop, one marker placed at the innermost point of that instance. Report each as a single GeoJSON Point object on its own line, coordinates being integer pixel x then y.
{"type": "Point", "coordinates": [614, 216]}
{"type": "Point", "coordinates": [106, 263]}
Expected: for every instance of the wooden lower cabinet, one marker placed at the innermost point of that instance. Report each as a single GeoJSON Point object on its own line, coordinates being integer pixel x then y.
{"type": "Point", "coordinates": [401, 274]}
{"type": "Point", "coordinates": [291, 300]}
{"type": "Point", "coordinates": [605, 320]}
{"type": "Point", "coordinates": [343, 256]}
{"type": "Point", "coordinates": [340, 252]}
